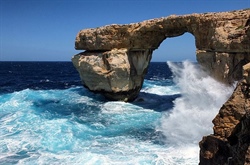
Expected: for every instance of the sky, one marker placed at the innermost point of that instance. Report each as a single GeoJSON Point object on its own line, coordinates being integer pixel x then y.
{"type": "Point", "coordinates": [45, 30]}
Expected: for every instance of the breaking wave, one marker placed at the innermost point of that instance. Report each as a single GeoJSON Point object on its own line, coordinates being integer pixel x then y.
{"type": "Point", "coordinates": [191, 116]}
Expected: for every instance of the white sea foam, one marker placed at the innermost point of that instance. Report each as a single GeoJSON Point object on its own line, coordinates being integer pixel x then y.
{"type": "Point", "coordinates": [161, 90]}
{"type": "Point", "coordinates": [74, 126]}
{"type": "Point", "coordinates": [192, 114]}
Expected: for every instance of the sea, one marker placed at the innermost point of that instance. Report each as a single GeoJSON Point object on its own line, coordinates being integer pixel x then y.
{"type": "Point", "coordinates": [48, 118]}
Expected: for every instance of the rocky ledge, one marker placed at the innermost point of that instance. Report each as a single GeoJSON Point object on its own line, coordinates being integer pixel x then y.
{"type": "Point", "coordinates": [116, 57]}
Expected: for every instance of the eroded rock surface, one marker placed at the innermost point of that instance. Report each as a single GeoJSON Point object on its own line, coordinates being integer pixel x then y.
{"type": "Point", "coordinates": [118, 74]}
{"type": "Point", "coordinates": [214, 32]}
{"type": "Point", "coordinates": [231, 139]}
{"type": "Point", "coordinates": [222, 42]}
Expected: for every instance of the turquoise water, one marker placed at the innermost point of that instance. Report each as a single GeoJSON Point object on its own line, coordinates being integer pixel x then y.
{"type": "Point", "coordinates": [75, 126]}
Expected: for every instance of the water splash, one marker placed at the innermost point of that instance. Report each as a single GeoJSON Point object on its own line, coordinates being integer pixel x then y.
{"type": "Point", "coordinates": [192, 114]}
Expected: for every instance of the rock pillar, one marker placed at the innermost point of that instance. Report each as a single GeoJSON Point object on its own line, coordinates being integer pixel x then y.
{"type": "Point", "coordinates": [117, 74]}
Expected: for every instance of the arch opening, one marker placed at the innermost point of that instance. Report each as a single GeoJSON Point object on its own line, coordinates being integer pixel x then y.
{"type": "Point", "coordinates": [176, 49]}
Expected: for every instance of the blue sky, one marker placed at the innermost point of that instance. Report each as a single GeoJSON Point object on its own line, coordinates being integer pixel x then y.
{"type": "Point", "coordinates": [45, 30]}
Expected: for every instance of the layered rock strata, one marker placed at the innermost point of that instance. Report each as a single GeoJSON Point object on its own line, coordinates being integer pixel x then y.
{"type": "Point", "coordinates": [230, 143]}
{"type": "Point", "coordinates": [116, 57]}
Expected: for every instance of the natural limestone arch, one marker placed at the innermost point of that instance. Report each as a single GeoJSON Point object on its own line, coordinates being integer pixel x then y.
{"type": "Point", "coordinates": [116, 57]}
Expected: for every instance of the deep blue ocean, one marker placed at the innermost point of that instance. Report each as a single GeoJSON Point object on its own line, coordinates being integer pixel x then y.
{"type": "Point", "coordinates": [48, 117]}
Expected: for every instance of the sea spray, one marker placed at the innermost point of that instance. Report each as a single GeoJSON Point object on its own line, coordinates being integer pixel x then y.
{"type": "Point", "coordinates": [192, 114]}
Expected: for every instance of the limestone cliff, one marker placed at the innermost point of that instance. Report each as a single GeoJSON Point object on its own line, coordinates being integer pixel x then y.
{"type": "Point", "coordinates": [230, 143]}
{"type": "Point", "coordinates": [222, 42]}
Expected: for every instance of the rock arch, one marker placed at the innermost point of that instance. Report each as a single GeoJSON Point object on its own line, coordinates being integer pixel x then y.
{"type": "Point", "coordinates": [116, 57]}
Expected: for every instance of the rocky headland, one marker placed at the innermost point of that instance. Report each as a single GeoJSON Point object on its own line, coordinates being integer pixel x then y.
{"type": "Point", "coordinates": [116, 59]}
